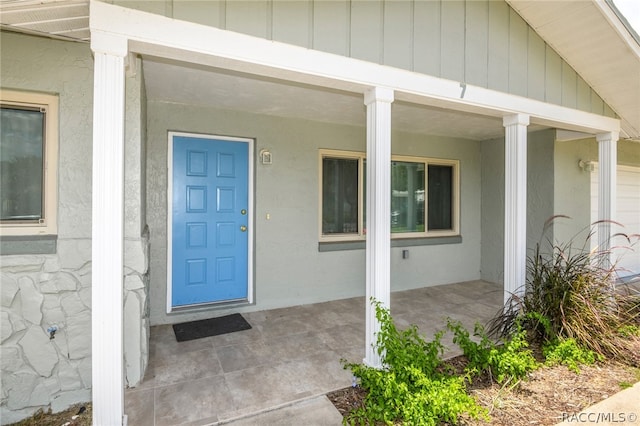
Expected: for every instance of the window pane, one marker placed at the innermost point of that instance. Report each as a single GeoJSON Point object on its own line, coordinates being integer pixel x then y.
{"type": "Point", "coordinates": [21, 167]}
{"type": "Point", "coordinates": [407, 197]}
{"type": "Point", "coordinates": [339, 196]}
{"type": "Point", "coordinates": [440, 197]}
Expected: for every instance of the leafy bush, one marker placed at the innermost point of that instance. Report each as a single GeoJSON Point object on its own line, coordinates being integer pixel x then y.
{"type": "Point", "coordinates": [406, 348]}
{"type": "Point", "coordinates": [411, 387]}
{"type": "Point", "coordinates": [568, 352]}
{"type": "Point", "coordinates": [629, 330]}
{"type": "Point", "coordinates": [512, 359]}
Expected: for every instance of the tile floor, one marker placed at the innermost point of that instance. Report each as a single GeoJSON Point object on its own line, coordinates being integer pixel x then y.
{"type": "Point", "coordinates": [290, 354]}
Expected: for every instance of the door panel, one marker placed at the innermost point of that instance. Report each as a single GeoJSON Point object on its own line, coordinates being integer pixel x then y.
{"type": "Point", "coordinates": [210, 199]}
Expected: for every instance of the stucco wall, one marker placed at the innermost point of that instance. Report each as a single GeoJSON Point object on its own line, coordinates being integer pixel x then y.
{"type": "Point", "coordinates": [289, 269]}
{"type": "Point", "coordinates": [540, 198]}
{"type": "Point", "coordinates": [39, 291]}
{"type": "Point", "coordinates": [573, 185]}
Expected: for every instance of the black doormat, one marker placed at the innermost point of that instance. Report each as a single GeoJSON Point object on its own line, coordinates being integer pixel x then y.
{"type": "Point", "coordinates": [210, 327]}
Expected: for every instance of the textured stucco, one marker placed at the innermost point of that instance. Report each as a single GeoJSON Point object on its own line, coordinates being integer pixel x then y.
{"type": "Point", "coordinates": [540, 198]}
{"type": "Point", "coordinates": [289, 269]}
{"type": "Point", "coordinates": [573, 185]}
{"type": "Point", "coordinates": [40, 291]}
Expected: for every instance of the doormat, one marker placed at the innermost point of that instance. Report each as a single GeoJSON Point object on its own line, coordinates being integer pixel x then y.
{"type": "Point", "coordinates": [210, 327]}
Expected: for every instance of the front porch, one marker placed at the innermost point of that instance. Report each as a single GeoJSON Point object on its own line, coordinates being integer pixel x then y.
{"type": "Point", "coordinates": [290, 354]}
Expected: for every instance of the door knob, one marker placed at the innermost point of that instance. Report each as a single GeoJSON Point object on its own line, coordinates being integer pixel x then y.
{"type": "Point", "coordinates": [243, 228]}
{"type": "Point", "coordinates": [243, 212]}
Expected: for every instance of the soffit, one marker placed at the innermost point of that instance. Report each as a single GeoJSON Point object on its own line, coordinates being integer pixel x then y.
{"type": "Point", "coordinates": [188, 84]}
{"type": "Point", "coordinates": [63, 19]}
{"type": "Point", "coordinates": [594, 41]}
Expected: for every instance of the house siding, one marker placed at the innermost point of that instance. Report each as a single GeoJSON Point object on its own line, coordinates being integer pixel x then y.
{"type": "Point", "coordinates": [289, 268]}
{"type": "Point", "coordinates": [39, 291]}
{"type": "Point", "coordinates": [480, 42]}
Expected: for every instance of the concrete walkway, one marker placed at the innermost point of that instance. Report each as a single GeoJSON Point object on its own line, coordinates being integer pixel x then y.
{"type": "Point", "coordinates": [278, 372]}
{"type": "Point", "coordinates": [620, 409]}
{"type": "Point", "coordinates": [318, 411]}
{"type": "Point", "coordinates": [286, 363]}
{"type": "Point", "coordinates": [623, 408]}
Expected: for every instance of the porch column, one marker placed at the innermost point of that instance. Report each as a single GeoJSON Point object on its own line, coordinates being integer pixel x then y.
{"type": "Point", "coordinates": [515, 203]}
{"type": "Point", "coordinates": [607, 161]}
{"type": "Point", "coordinates": [378, 249]}
{"type": "Point", "coordinates": [107, 229]}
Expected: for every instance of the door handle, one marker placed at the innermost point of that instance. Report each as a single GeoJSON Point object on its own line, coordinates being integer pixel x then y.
{"type": "Point", "coordinates": [243, 228]}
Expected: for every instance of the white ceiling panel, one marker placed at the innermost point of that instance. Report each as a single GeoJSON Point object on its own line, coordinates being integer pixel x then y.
{"type": "Point", "coordinates": [184, 84]}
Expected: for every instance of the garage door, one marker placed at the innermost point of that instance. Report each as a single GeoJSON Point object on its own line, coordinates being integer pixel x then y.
{"type": "Point", "coordinates": [626, 255]}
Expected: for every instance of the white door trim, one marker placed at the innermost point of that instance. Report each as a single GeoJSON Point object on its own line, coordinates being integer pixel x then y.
{"type": "Point", "coordinates": [250, 214]}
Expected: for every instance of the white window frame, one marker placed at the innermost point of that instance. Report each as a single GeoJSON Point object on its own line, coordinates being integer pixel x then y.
{"type": "Point", "coordinates": [361, 234]}
{"type": "Point", "coordinates": [48, 103]}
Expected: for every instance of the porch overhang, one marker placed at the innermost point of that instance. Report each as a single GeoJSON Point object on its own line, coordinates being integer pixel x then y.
{"type": "Point", "coordinates": [118, 33]}
{"type": "Point", "coordinates": [163, 37]}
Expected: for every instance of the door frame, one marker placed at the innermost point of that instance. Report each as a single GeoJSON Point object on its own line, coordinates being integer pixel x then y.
{"type": "Point", "coordinates": [250, 218]}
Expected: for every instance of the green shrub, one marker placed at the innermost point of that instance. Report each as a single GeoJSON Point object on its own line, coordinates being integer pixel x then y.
{"type": "Point", "coordinates": [510, 360]}
{"type": "Point", "coordinates": [629, 330]}
{"type": "Point", "coordinates": [406, 348]}
{"type": "Point", "coordinates": [411, 387]}
{"type": "Point", "coordinates": [568, 352]}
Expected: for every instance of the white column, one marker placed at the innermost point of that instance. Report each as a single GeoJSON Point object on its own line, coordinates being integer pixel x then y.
{"type": "Point", "coordinates": [378, 249]}
{"type": "Point", "coordinates": [607, 174]}
{"type": "Point", "coordinates": [515, 204]}
{"type": "Point", "coordinates": [107, 229]}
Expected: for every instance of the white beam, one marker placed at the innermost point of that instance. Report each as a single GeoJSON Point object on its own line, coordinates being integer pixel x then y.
{"type": "Point", "coordinates": [378, 248]}
{"type": "Point", "coordinates": [107, 229]}
{"type": "Point", "coordinates": [185, 41]}
{"type": "Point", "coordinates": [607, 173]}
{"type": "Point", "coordinates": [515, 204]}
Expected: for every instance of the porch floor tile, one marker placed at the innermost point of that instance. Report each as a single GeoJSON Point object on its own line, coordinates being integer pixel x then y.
{"type": "Point", "coordinates": [290, 354]}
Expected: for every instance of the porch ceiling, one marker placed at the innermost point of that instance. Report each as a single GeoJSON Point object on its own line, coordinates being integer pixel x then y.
{"type": "Point", "coordinates": [188, 84]}
{"type": "Point", "coordinates": [61, 19]}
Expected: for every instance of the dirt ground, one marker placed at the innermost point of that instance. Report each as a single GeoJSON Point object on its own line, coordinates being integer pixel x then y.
{"type": "Point", "coordinates": [542, 399]}
{"type": "Point", "coordinates": [77, 415]}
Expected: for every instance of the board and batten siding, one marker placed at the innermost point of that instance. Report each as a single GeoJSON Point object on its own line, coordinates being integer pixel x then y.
{"type": "Point", "coordinates": [480, 42]}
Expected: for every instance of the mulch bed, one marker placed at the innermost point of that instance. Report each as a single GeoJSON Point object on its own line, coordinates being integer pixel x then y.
{"type": "Point", "coordinates": [547, 394]}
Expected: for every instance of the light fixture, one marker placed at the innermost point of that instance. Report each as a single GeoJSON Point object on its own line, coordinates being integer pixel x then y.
{"type": "Point", "coordinates": [265, 157]}
{"type": "Point", "coordinates": [586, 166]}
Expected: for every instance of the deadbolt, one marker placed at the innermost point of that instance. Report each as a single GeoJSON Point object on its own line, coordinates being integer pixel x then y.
{"type": "Point", "coordinates": [243, 228]}
{"type": "Point", "coordinates": [243, 211]}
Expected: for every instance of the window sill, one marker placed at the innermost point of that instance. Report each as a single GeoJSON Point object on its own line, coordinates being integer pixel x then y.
{"type": "Point", "coordinates": [397, 242]}
{"type": "Point", "coordinates": [28, 244]}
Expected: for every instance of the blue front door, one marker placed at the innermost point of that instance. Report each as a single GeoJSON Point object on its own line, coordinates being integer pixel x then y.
{"type": "Point", "coordinates": [209, 224]}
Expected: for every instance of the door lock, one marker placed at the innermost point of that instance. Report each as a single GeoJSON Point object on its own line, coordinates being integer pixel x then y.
{"type": "Point", "coordinates": [243, 212]}
{"type": "Point", "coordinates": [243, 228]}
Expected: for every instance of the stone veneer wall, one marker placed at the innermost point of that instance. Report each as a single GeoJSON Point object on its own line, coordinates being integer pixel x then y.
{"type": "Point", "coordinates": [136, 232]}
{"type": "Point", "coordinates": [40, 291]}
